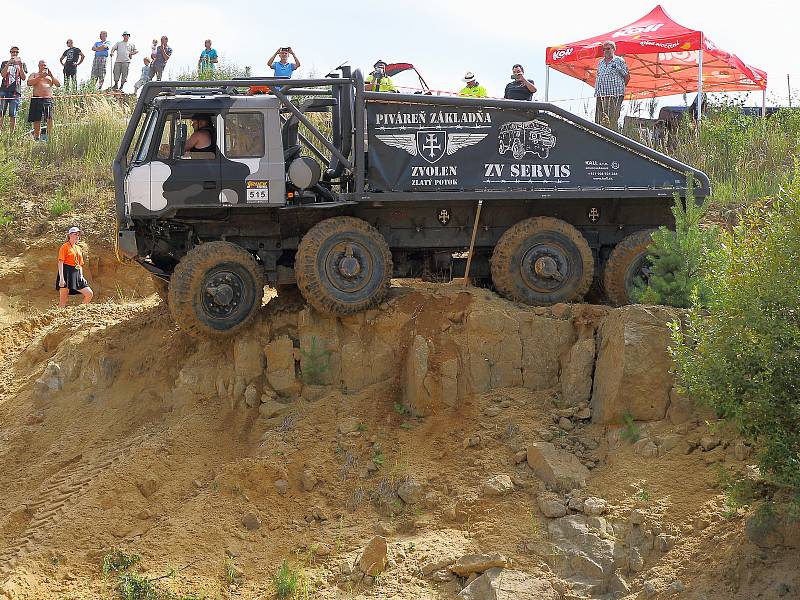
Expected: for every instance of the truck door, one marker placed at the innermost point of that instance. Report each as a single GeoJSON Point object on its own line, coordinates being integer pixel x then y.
{"type": "Point", "coordinates": [253, 171]}
{"type": "Point", "coordinates": [180, 179]}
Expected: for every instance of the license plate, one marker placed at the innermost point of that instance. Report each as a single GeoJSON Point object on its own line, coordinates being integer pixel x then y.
{"type": "Point", "coordinates": [258, 191]}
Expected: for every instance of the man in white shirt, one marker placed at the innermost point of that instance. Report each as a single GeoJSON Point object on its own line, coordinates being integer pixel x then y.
{"type": "Point", "coordinates": [124, 51]}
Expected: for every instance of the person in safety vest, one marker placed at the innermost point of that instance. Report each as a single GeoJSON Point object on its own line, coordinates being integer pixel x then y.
{"type": "Point", "coordinates": [473, 88]}
{"type": "Point", "coordinates": [378, 80]}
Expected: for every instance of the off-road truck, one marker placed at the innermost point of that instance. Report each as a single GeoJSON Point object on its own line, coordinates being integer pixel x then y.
{"type": "Point", "coordinates": [338, 190]}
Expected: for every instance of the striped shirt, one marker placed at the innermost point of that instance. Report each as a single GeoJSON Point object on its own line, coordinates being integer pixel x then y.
{"type": "Point", "coordinates": [611, 76]}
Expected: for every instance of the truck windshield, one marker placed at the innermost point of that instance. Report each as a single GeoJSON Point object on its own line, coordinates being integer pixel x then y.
{"type": "Point", "coordinates": [145, 137]}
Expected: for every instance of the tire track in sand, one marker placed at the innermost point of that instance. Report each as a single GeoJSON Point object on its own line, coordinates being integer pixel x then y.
{"type": "Point", "coordinates": [55, 495]}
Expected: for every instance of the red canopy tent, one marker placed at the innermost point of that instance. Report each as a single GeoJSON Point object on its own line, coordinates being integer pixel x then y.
{"type": "Point", "coordinates": [663, 57]}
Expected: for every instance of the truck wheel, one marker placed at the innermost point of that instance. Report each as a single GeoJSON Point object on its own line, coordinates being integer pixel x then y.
{"type": "Point", "coordinates": [627, 264]}
{"type": "Point", "coordinates": [518, 150]}
{"type": "Point", "coordinates": [343, 265]}
{"type": "Point", "coordinates": [161, 287]}
{"type": "Point", "coordinates": [215, 289]}
{"type": "Point", "coordinates": [542, 260]}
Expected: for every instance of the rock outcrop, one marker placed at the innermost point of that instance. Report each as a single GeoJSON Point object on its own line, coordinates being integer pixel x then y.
{"type": "Point", "coordinates": [632, 370]}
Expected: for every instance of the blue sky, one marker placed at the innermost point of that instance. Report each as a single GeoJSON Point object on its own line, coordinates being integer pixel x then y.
{"type": "Point", "coordinates": [444, 38]}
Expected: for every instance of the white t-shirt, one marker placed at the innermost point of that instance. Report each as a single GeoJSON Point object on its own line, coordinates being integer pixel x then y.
{"type": "Point", "coordinates": [123, 51]}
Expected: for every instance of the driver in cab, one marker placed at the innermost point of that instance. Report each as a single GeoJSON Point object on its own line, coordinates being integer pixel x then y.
{"type": "Point", "coordinates": [202, 138]}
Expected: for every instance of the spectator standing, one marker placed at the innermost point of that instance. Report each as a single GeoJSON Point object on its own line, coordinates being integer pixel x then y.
{"type": "Point", "coordinates": [69, 279]}
{"type": "Point", "coordinates": [521, 88]}
{"type": "Point", "coordinates": [283, 68]}
{"type": "Point", "coordinates": [378, 80]}
{"type": "Point", "coordinates": [609, 87]}
{"type": "Point", "coordinates": [208, 60]}
{"type": "Point", "coordinates": [145, 77]}
{"type": "Point", "coordinates": [41, 106]}
{"type": "Point", "coordinates": [124, 51]}
{"type": "Point", "coordinates": [100, 49]}
{"type": "Point", "coordinates": [160, 57]}
{"type": "Point", "coordinates": [70, 59]}
{"type": "Point", "coordinates": [473, 88]}
{"type": "Point", "coordinates": [13, 72]}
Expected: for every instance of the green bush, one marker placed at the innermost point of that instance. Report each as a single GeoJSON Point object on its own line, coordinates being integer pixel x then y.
{"type": "Point", "coordinates": [286, 580]}
{"type": "Point", "coordinates": [60, 204]}
{"type": "Point", "coordinates": [746, 158]}
{"type": "Point", "coordinates": [677, 257]}
{"type": "Point", "coordinates": [740, 354]}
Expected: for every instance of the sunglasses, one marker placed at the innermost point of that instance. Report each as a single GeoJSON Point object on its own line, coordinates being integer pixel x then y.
{"type": "Point", "coordinates": [15, 52]}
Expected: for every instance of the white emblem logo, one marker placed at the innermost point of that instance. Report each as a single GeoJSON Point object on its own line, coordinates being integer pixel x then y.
{"type": "Point", "coordinates": [444, 216]}
{"type": "Point", "coordinates": [633, 30]}
{"type": "Point", "coordinates": [594, 214]}
{"type": "Point", "coordinates": [562, 53]}
{"type": "Point", "coordinates": [431, 144]}
{"type": "Point", "coordinates": [522, 137]}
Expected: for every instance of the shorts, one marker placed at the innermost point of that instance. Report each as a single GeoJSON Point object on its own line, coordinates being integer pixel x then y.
{"type": "Point", "coordinates": [99, 67]}
{"type": "Point", "coordinates": [70, 70]}
{"type": "Point", "coordinates": [74, 280]}
{"type": "Point", "coordinates": [121, 69]}
{"type": "Point", "coordinates": [40, 109]}
{"type": "Point", "coordinates": [9, 103]}
{"type": "Point", "coordinates": [156, 71]}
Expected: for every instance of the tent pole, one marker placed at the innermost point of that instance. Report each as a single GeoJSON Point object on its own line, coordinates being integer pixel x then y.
{"type": "Point", "coordinates": [547, 84]}
{"type": "Point", "coordinates": [699, 88]}
{"type": "Point", "coordinates": [764, 103]}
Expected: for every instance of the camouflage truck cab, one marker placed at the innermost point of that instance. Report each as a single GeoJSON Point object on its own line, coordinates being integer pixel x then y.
{"type": "Point", "coordinates": [322, 185]}
{"type": "Point", "coordinates": [246, 165]}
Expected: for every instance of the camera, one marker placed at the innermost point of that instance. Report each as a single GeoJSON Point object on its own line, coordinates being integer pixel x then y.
{"type": "Point", "coordinates": [285, 49]}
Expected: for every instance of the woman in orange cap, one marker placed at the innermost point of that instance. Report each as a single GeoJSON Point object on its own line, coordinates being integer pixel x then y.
{"type": "Point", "coordinates": [69, 279]}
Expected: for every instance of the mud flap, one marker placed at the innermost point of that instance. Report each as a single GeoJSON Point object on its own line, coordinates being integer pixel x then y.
{"type": "Point", "coordinates": [127, 243]}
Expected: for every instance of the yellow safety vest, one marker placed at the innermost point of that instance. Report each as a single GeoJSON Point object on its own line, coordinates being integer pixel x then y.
{"type": "Point", "coordinates": [476, 91]}
{"type": "Point", "coordinates": [386, 84]}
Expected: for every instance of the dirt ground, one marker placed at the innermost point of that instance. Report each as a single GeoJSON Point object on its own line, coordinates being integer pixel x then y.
{"type": "Point", "coordinates": [121, 458]}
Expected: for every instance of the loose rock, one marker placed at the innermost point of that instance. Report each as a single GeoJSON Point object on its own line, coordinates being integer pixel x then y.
{"type": "Point", "coordinates": [565, 424]}
{"type": "Point", "coordinates": [372, 560]}
{"type": "Point", "coordinates": [271, 409]}
{"type": "Point", "coordinates": [594, 506]}
{"type": "Point", "coordinates": [251, 521]}
{"type": "Point", "coordinates": [645, 447]}
{"type": "Point", "coordinates": [410, 491]}
{"type": "Point", "coordinates": [709, 442]}
{"type": "Point", "coordinates": [499, 584]}
{"type": "Point", "coordinates": [559, 469]}
{"type": "Point", "coordinates": [282, 486]}
{"type": "Point", "coordinates": [478, 563]}
{"type": "Point", "coordinates": [308, 480]}
{"type": "Point", "coordinates": [499, 485]}
{"type": "Point", "coordinates": [551, 505]}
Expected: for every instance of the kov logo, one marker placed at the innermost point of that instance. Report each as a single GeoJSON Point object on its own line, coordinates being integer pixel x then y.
{"type": "Point", "coordinates": [630, 31]}
{"type": "Point", "coordinates": [562, 53]}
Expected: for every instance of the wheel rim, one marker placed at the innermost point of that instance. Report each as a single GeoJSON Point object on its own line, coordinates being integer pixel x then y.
{"type": "Point", "coordinates": [546, 267]}
{"type": "Point", "coordinates": [349, 266]}
{"type": "Point", "coordinates": [224, 293]}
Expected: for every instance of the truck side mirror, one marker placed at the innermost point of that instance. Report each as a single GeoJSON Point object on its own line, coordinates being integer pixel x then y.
{"type": "Point", "coordinates": [180, 139]}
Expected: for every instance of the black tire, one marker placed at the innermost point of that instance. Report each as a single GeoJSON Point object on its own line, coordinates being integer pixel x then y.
{"type": "Point", "coordinates": [216, 289]}
{"type": "Point", "coordinates": [542, 260]}
{"type": "Point", "coordinates": [161, 287]}
{"type": "Point", "coordinates": [626, 263]}
{"type": "Point", "coordinates": [518, 150]}
{"type": "Point", "coordinates": [319, 266]}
